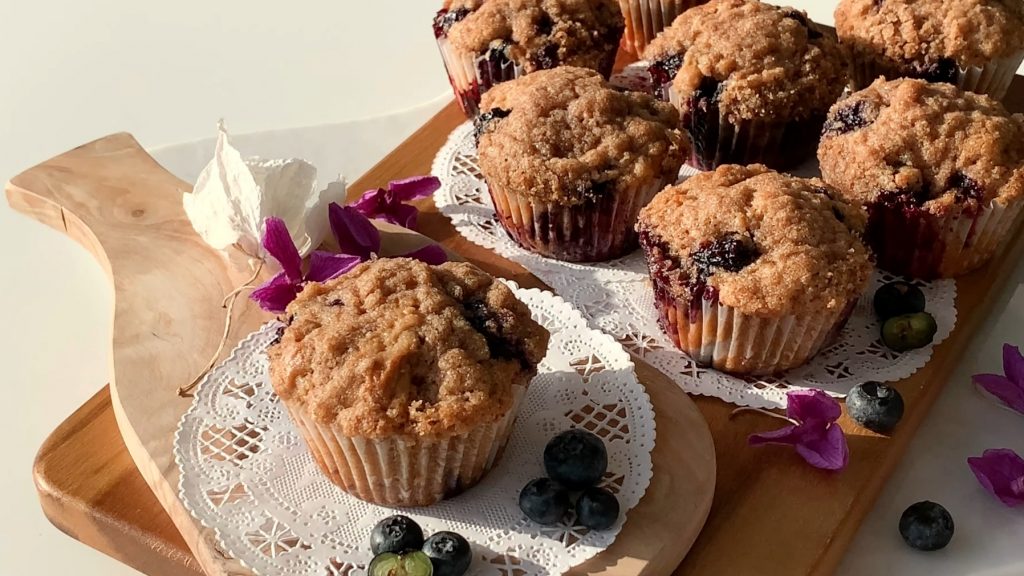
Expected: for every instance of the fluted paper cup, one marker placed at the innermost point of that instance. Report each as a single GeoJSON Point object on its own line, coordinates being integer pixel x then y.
{"type": "Point", "coordinates": [473, 74]}
{"type": "Point", "coordinates": [590, 232]}
{"type": "Point", "coordinates": [645, 19]}
{"type": "Point", "coordinates": [993, 78]}
{"type": "Point", "coordinates": [716, 140]}
{"type": "Point", "coordinates": [405, 471]}
{"type": "Point", "coordinates": [732, 341]}
{"type": "Point", "coordinates": [923, 245]}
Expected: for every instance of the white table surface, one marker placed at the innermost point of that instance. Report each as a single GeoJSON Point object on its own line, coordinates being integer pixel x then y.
{"type": "Point", "coordinates": [75, 71]}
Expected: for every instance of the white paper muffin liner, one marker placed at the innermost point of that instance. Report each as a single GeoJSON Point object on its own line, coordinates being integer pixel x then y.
{"type": "Point", "coordinates": [994, 78]}
{"type": "Point", "coordinates": [731, 341]}
{"type": "Point", "coordinates": [645, 19]}
{"type": "Point", "coordinates": [929, 246]}
{"type": "Point", "coordinates": [405, 471]}
{"type": "Point", "coordinates": [777, 144]}
{"type": "Point", "coordinates": [465, 72]}
{"type": "Point", "coordinates": [592, 232]}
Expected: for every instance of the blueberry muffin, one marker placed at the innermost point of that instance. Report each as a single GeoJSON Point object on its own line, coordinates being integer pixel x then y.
{"type": "Point", "coordinates": [976, 45]}
{"type": "Point", "coordinates": [405, 378]}
{"type": "Point", "coordinates": [754, 272]}
{"type": "Point", "coordinates": [570, 161]}
{"type": "Point", "coordinates": [940, 172]}
{"type": "Point", "coordinates": [752, 81]}
{"type": "Point", "coordinates": [645, 19]}
{"type": "Point", "coordinates": [485, 43]}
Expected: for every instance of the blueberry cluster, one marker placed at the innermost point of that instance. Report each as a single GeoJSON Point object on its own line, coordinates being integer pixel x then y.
{"type": "Point", "coordinates": [575, 461]}
{"type": "Point", "coordinates": [905, 325]}
{"type": "Point", "coordinates": [400, 550]}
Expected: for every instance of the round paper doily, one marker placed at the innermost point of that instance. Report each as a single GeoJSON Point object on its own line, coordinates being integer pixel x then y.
{"type": "Point", "coordinates": [247, 474]}
{"type": "Point", "coordinates": [617, 297]}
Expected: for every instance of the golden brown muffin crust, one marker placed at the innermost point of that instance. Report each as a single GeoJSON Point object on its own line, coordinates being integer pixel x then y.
{"type": "Point", "coordinates": [808, 252]}
{"type": "Point", "coordinates": [972, 32]}
{"type": "Point", "coordinates": [542, 33]}
{"type": "Point", "coordinates": [569, 136]}
{"type": "Point", "coordinates": [932, 139]}
{"type": "Point", "coordinates": [774, 62]}
{"type": "Point", "coordinates": [399, 347]}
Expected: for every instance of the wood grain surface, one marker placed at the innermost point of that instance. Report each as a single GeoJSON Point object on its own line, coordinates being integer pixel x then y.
{"type": "Point", "coordinates": [772, 514]}
{"type": "Point", "coordinates": [168, 284]}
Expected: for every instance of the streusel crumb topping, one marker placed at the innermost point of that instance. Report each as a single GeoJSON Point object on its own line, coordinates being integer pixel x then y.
{"type": "Point", "coordinates": [769, 244]}
{"type": "Point", "coordinates": [399, 347]}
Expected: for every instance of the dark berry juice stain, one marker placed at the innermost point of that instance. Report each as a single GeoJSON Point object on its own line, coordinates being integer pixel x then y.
{"type": "Point", "coordinates": [482, 122]}
{"type": "Point", "coordinates": [546, 58]}
{"type": "Point", "coordinates": [850, 117]}
{"type": "Point", "coordinates": [701, 120]}
{"type": "Point", "coordinates": [897, 226]}
{"type": "Point", "coordinates": [545, 25]}
{"type": "Point", "coordinates": [731, 253]}
{"type": "Point", "coordinates": [445, 19]}
{"type": "Point", "coordinates": [663, 71]}
{"type": "Point", "coordinates": [492, 324]}
{"type": "Point", "coordinates": [278, 335]}
{"type": "Point", "coordinates": [967, 189]}
{"type": "Point", "coordinates": [495, 67]}
{"type": "Point", "coordinates": [941, 70]}
{"type": "Point", "coordinates": [812, 32]}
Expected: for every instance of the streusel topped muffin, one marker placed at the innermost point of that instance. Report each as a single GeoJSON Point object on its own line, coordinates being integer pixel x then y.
{"type": "Point", "coordinates": [405, 378]}
{"type": "Point", "coordinates": [569, 137]}
{"type": "Point", "coordinates": [485, 43]}
{"type": "Point", "coordinates": [732, 62]}
{"type": "Point", "coordinates": [742, 251]}
{"type": "Point", "coordinates": [935, 40]}
{"type": "Point", "coordinates": [570, 161]}
{"type": "Point", "coordinates": [922, 157]}
{"type": "Point", "coordinates": [397, 346]}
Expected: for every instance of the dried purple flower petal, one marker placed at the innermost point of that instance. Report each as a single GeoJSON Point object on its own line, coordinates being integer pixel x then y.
{"type": "Point", "coordinates": [276, 294]}
{"type": "Point", "coordinates": [355, 234]}
{"type": "Point", "coordinates": [1008, 388]}
{"type": "Point", "coordinates": [1001, 473]}
{"type": "Point", "coordinates": [324, 266]}
{"type": "Point", "coordinates": [279, 244]}
{"type": "Point", "coordinates": [814, 434]}
{"type": "Point", "coordinates": [390, 204]}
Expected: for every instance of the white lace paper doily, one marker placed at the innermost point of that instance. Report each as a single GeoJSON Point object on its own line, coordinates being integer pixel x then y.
{"type": "Point", "coordinates": [617, 297]}
{"type": "Point", "coordinates": [246, 473]}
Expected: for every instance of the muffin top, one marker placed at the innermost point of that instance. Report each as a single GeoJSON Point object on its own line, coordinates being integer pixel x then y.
{"type": "Point", "coordinates": [399, 347]}
{"type": "Point", "coordinates": [757, 59]}
{"type": "Point", "coordinates": [768, 244]}
{"type": "Point", "coordinates": [537, 34]}
{"type": "Point", "coordinates": [971, 32]}
{"type": "Point", "coordinates": [926, 145]}
{"type": "Point", "coordinates": [566, 136]}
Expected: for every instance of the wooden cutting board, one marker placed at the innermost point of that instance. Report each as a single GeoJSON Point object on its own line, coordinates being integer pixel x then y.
{"type": "Point", "coordinates": [772, 514]}
{"type": "Point", "coordinates": [127, 210]}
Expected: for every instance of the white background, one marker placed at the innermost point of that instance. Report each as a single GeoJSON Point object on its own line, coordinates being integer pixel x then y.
{"type": "Point", "coordinates": [74, 71]}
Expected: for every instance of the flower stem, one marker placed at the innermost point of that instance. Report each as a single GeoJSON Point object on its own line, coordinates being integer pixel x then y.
{"type": "Point", "coordinates": [229, 303]}
{"type": "Point", "coordinates": [742, 409]}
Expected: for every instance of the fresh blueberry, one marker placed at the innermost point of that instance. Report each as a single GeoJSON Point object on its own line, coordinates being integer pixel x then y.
{"type": "Point", "coordinates": [449, 552]}
{"type": "Point", "coordinates": [909, 331]}
{"type": "Point", "coordinates": [875, 406]}
{"type": "Point", "coordinates": [576, 459]}
{"type": "Point", "coordinates": [898, 298]}
{"type": "Point", "coordinates": [414, 563]}
{"type": "Point", "coordinates": [926, 526]}
{"type": "Point", "coordinates": [396, 534]}
{"type": "Point", "coordinates": [544, 501]}
{"type": "Point", "coordinates": [597, 509]}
